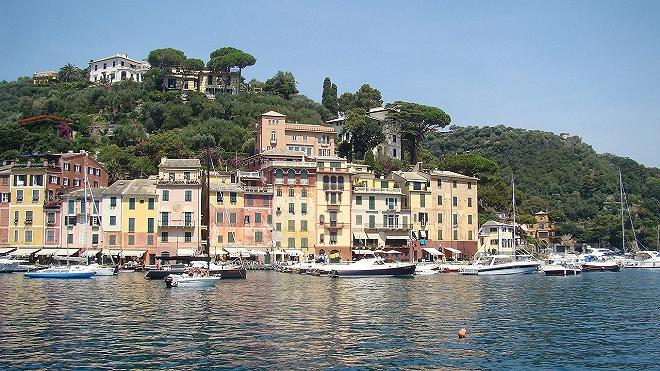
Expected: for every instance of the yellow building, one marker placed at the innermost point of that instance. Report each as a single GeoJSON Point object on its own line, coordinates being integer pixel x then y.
{"type": "Point", "coordinates": [333, 207]}
{"type": "Point", "coordinates": [26, 209]}
{"type": "Point", "coordinates": [139, 216]}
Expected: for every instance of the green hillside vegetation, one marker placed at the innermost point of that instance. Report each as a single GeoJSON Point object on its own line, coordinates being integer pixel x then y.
{"type": "Point", "coordinates": [565, 177]}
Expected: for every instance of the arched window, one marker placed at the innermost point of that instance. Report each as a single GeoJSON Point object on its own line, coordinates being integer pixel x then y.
{"type": "Point", "coordinates": [333, 179]}
{"type": "Point", "coordinates": [326, 179]}
{"type": "Point", "coordinates": [303, 174]}
{"type": "Point", "coordinates": [279, 174]}
{"type": "Point", "coordinates": [273, 136]}
{"type": "Point", "coordinates": [321, 219]}
{"type": "Point", "coordinates": [341, 182]}
{"type": "Point", "coordinates": [291, 174]}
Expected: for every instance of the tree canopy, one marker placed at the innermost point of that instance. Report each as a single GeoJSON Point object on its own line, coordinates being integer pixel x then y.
{"type": "Point", "coordinates": [365, 133]}
{"type": "Point", "coordinates": [166, 58]}
{"type": "Point", "coordinates": [224, 59]}
{"type": "Point", "coordinates": [71, 73]}
{"type": "Point", "coordinates": [282, 84]}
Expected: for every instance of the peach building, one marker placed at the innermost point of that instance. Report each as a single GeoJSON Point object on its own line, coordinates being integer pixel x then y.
{"type": "Point", "coordinates": [273, 131]}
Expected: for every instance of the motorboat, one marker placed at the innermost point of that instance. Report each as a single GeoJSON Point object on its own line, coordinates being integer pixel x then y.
{"type": "Point", "coordinates": [451, 267]}
{"type": "Point", "coordinates": [371, 267]}
{"type": "Point", "coordinates": [501, 265]}
{"type": "Point", "coordinates": [644, 259]}
{"type": "Point", "coordinates": [8, 265]}
{"type": "Point", "coordinates": [427, 269]}
{"type": "Point", "coordinates": [225, 271]}
{"type": "Point", "coordinates": [73, 271]}
{"type": "Point", "coordinates": [192, 277]}
{"type": "Point", "coordinates": [561, 270]}
{"type": "Point", "coordinates": [103, 270]}
{"type": "Point", "coordinates": [599, 260]}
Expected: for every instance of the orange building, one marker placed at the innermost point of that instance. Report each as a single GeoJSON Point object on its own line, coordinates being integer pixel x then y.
{"type": "Point", "coordinates": [273, 131]}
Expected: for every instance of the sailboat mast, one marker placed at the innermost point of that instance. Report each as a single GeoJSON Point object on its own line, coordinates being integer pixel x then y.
{"type": "Point", "coordinates": [513, 202]}
{"type": "Point", "coordinates": [623, 227]}
{"type": "Point", "coordinates": [86, 220]}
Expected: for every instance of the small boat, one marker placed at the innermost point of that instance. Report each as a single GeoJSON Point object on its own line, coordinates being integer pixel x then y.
{"type": "Point", "coordinates": [371, 267]}
{"type": "Point", "coordinates": [644, 259]}
{"type": "Point", "coordinates": [159, 274]}
{"type": "Point", "coordinates": [606, 265]}
{"type": "Point", "coordinates": [74, 271]}
{"type": "Point", "coordinates": [103, 270]}
{"type": "Point", "coordinates": [427, 269]}
{"type": "Point", "coordinates": [186, 280]}
{"type": "Point", "coordinates": [490, 265]}
{"type": "Point", "coordinates": [8, 265]}
{"type": "Point", "coordinates": [561, 270]}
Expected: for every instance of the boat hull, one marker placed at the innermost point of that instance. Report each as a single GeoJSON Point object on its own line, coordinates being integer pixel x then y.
{"type": "Point", "coordinates": [183, 281]}
{"type": "Point", "coordinates": [500, 271]}
{"type": "Point", "coordinates": [233, 273]}
{"type": "Point", "coordinates": [562, 272]}
{"type": "Point", "coordinates": [404, 270]}
{"type": "Point", "coordinates": [601, 267]}
{"type": "Point", "coordinates": [8, 266]}
{"type": "Point", "coordinates": [104, 271]}
{"type": "Point", "coordinates": [159, 274]}
{"type": "Point", "coordinates": [60, 275]}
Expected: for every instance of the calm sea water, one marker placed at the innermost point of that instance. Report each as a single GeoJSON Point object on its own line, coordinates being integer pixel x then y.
{"type": "Point", "coordinates": [286, 321]}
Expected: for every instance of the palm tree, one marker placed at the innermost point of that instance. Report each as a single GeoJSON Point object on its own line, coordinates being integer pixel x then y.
{"type": "Point", "coordinates": [70, 73]}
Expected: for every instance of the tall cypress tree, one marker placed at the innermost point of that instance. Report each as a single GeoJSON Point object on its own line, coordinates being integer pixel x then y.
{"type": "Point", "coordinates": [329, 96]}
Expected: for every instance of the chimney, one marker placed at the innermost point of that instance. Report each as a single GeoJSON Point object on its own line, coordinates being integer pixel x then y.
{"type": "Point", "coordinates": [418, 166]}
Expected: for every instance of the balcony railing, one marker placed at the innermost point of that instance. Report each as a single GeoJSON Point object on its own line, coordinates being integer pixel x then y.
{"type": "Point", "coordinates": [291, 181]}
{"type": "Point", "coordinates": [251, 189]}
{"type": "Point", "coordinates": [388, 227]}
{"type": "Point", "coordinates": [176, 223]}
{"type": "Point", "coordinates": [178, 182]}
{"type": "Point", "coordinates": [28, 221]}
{"type": "Point", "coordinates": [304, 181]}
{"type": "Point", "coordinates": [396, 191]}
{"type": "Point", "coordinates": [279, 181]}
{"type": "Point", "coordinates": [334, 225]}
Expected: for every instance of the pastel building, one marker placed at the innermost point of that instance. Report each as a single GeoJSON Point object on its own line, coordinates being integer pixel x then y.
{"type": "Point", "coordinates": [272, 131]}
{"type": "Point", "coordinates": [111, 219]}
{"type": "Point", "coordinates": [5, 197]}
{"type": "Point", "coordinates": [496, 238]}
{"type": "Point", "coordinates": [138, 217]}
{"type": "Point", "coordinates": [81, 216]}
{"type": "Point", "coordinates": [118, 67]}
{"type": "Point", "coordinates": [378, 221]}
{"type": "Point", "coordinates": [179, 208]}
{"type": "Point", "coordinates": [415, 200]}
{"type": "Point", "coordinates": [333, 207]}
{"type": "Point", "coordinates": [543, 229]}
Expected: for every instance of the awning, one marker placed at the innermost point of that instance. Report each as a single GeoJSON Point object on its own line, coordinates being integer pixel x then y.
{"type": "Point", "coordinates": [66, 252]}
{"type": "Point", "coordinates": [92, 252]}
{"type": "Point", "coordinates": [23, 252]}
{"type": "Point", "coordinates": [184, 252]}
{"type": "Point", "coordinates": [432, 251]}
{"type": "Point", "coordinates": [6, 250]}
{"type": "Point", "coordinates": [236, 252]}
{"type": "Point", "coordinates": [453, 250]}
{"type": "Point", "coordinates": [293, 252]}
{"type": "Point", "coordinates": [362, 252]}
{"type": "Point", "coordinates": [373, 236]}
{"type": "Point", "coordinates": [379, 251]}
{"type": "Point", "coordinates": [359, 236]}
{"type": "Point", "coordinates": [48, 252]}
{"type": "Point", "coordinates": [127, 252]}
{"type": "Point", "coordinates": [405, 238]}
{"type": "Point", "coordinates": [257, 252]}
{"type": "Point", "coordinates": [392, 252]}
{"type": "Point", "coordinates": [219, 252]}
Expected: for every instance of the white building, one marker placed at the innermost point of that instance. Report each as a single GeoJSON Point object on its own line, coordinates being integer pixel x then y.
{"type": "Point", "coordinates": [496, 238]}
{"type": "Point", "coordinates": [115, 68]}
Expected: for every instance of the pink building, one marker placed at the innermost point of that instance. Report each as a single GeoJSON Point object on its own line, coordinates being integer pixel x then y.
{"type": "Point", "coordinates": [273, 131]}
{"type": "Point", "coordinates": [5, 197]}
{"type": "Point", "coordinates": [179, 208]}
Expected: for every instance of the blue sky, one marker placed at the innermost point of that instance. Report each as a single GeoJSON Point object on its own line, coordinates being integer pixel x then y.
{"type": "Point", "coordinates": [591, 68]}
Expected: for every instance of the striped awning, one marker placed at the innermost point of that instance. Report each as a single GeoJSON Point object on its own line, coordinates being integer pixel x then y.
{"type": "Point", "coordinates": [6, 250]}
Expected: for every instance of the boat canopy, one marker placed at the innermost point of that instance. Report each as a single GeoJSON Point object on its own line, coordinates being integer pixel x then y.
{"type": "Point", "coordinates": [433, 251]}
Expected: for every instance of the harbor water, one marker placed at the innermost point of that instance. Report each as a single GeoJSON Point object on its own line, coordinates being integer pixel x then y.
{"type": "Point", "coordinates": [290, 321]}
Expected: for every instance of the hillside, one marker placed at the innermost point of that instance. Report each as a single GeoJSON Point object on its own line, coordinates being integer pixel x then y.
{"type": "Point", "coordinates": [566, 177]}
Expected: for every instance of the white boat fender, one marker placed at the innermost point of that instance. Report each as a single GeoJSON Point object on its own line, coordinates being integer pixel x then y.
{"type": "Point", "coordinates": [462, 333]}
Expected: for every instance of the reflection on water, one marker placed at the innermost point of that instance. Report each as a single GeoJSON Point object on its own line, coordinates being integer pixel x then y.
{"type": "Point", "coordinates": [292, 321]}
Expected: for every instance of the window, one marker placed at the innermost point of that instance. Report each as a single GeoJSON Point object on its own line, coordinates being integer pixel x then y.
{"type": "Point", "coordinates": [258, 236]}
{"type": "Point", "coordinates": [454, 201]}
{"type": "Point", "coordinates": [113, 220]}
{"type": "Point", "coordinates": [469, 219]}
{"type": "Point", "coordinates": [76, 182]}
{"type": "Point", "coordinates": [291, 208]}
{"type": "Point", "coordinates": [187, 219]}
{"type": "Point", "coordinates": [150, 204]}
{"type": "Point", "coordinates": [232, 198]}
{"type": "Point", "coordinates": [269, 219]}
{"type": "Point", "coordinates": [65, 181]}
{"type": "Point", "coordinates": [469, 235]}
{"type": "Point", "coordinates": [131, 203]}
{"type": "Point", "coordinates": [113, 201]}
{"type": "Point", "coordinates": [219, 217]}
{"type": "Point", "coordinates": [166, 195]}
{"type": "Point", "coordinates": [219, 197]}
{"type": "Point", "coordinates": [131, 224]}
{"type": "Point", "coordinates": [221, 238]}
{"type": "Point", "coordinates": [188, 196]}
{"type": "Point", "coordinates": [186, 175]}
{"type": "Point", "coordinates": [95, 239]}
{"type": "Point", "coordinates": [231, 237]}
{"type": "Point", "coordinates": [131, 239]}
{"type": "Point", "coordinates": [303, 225]}
{"type": "Point", "coordinates": [36, 180]}
{"type": "Point", "coordinates": [232, 218]}
{"type": "Point", "coordinates": [439, 218]}
{"type": "Point", "coordinates": [303, 242]}
{"type": "Point", "coordinates": [469, 185]}
{"type": "Point", "coordinates": [257, 218]}
{"type": "Point", "coordinates": [321, 238]}
{"type": "Point", "coordinates": [358, 219]}
{"type": "Point", "coordinates": [71, 207]}
{"type": "Point", "coordinates": [69, 238]}
{"type": "Point", "coordinates": [303, 208]}
{"type": "Point", "coordinates": [278, 227]}
{"type": "Point", "coordinates": [50, 235]}
{"type": "Point", "coordinates": [29, 216]}
{"type": "Point", "coordinates": [83, 206]}
{"type": "Point", "coordinates": [5, 197]}
{"type": "Point", "coordinates": [422, 200]}
{"type": "Point", "coordinates": [292, 226]}
{"type": "Point", "coordinates": [150, 225]}
{"type": "Point", "coordinates": [469, 201]}
{"type": "Point", "coordinates": [273, 137]}
{"type": "Point", "coordinates": [164, 236]}
{"type": "Point", "coordinates": [358, 200]}
{"type": "Point", "coordinates": [455, 234]}
{"type": "Point", "coordinates": [150, 240]}
{"type": "Point", "coordinates": [417, 186]}
{"type": "Point", "coordinates": [455, 220]}
{"type": "Point", "coordinates": [113, 240]}
{"type": "Point", "coordinates": [246, 220]}
{"type": "Point", "coordinates": [35, 195]}
{"type": "Point", "coordinates": [249, 200]}
{"type": "Point", "coordinates": [303, 192]}
{"type": "Point", "coordinates": [454, 184]}
{"type": "Point", "coordinates": [279, 192]}
{"type": "Point", "coordinates": [372, 221]}
{"type": "Point", "coordinates": [19, 195]}
{"type": "Point", "coordinates": [393, 152]}
{"type": "Point", "coordinates": [439, 200]}
{"type": "Point", "coordinates": [291, 192]}
{"type": "Point", "coordinates": [292, 242]}
{"type": "Point", "coordinates": [439, 234]}
{"type": "Point", "coordinates": [187, 237]}
{"type": "Point", "coordinates": [372, 202]}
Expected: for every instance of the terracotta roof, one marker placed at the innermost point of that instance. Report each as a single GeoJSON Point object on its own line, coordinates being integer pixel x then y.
{"type": "Point", "coordinates": [117, 187]}
{"type": "Point", "coordinates": [96, 193]}
{"type": "Point", "coordinates": [232, 187]}
{"type": "Point", "coordinates": [305, 127]}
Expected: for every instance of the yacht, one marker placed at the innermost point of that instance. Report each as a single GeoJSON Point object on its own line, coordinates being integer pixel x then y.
{"type": "Point", "coordinates": [369, 267]}
{"type": "Point", "coordinates": [644, 259]}
{"type": "Point", "coordinates": [225, 271]}
{"type": "Point", "coordinates": [561, 269]}
{"type": "Point", "coordinates": [427, 268]}
{"type": "Point", "coordinates": [74, 271]}
{"type": "Point", "coordinates": [599, 260]}
{"type": "Point", "coordinates": [501, 265]}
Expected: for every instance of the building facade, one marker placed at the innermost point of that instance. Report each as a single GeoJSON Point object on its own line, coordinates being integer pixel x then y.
{"type": "Point", "coordinates": [496, 238]}
{"type": "Point", "coordinates": [118, 67]}
{"type": "Point", "coordinates": [272, 131]}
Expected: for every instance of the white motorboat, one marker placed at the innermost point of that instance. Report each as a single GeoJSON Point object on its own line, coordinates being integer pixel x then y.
{"type": "Point", "coordinates": [599, 260]}
{"type": "Point", "coordinates": [8, 265]}
{"type": "Point", "coordinates": [101, 270]}
{"type": "Point", "coordinates": [561, 270]}
{"type": "Point", "coordinates": [501, 265]}
{"type": "Point", "coordinates": [644, 259]}
{"type": "Point", "coordinates": [370, 267]}
{"type": "Point", "coordinates": [186, 280]}
{"type": "Point", "coordinates": [427, 269]}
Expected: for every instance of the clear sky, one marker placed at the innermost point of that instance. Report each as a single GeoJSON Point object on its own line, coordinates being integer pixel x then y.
{"type": "Point", "coordinates": [590, 68]}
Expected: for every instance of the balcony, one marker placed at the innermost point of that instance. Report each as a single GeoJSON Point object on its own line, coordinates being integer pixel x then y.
{"type": "Point", "coordinates": [330, 187]}
{"type": "Point", "coordinates": [249, 189]}
{"type": "Point", "coordinates": [388, 227]}
{"type": "Point", "coordinates": [291, 181]}
{"type": "Point", "coordinates": [304, 181]}
{"type": "Point", "coordinates": [50, 222]}
{"type": "Point", "coordinates": [279, 181]}
{"type": "Point", "coordinates": [28, 221]}
{"type": "Point", "coordinates": [176, 223]}
{"type": "Point", "coordinates": [390, 191]}
{"type": "Point", "coordinates": [334, 225]}
{"type": "Point", "coordinates": [178, 182]}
